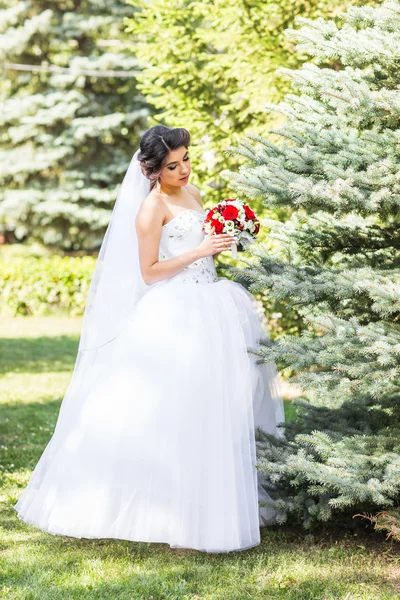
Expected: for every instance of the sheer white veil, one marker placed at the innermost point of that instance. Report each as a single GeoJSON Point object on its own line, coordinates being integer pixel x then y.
{"type": "Point", "coordinates": [117, 283]}
{"type": "Point", "coordinates": [116, 287]}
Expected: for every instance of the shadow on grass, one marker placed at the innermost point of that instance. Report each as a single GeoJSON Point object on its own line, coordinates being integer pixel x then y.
{"type": "Point", "coordinates": [25, 429]}
{"type": "Point", "coordinates": [61, 568]}
{"type": "Point", "coordinates": [38, 355]}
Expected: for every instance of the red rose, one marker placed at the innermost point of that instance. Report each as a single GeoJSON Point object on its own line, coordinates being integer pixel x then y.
{"type": "Point", "coordinates": [218, 225]}
{"type": "Point", "coordinates": [230, 212]}
{"type": "Point", "coordinates": [249, 213]}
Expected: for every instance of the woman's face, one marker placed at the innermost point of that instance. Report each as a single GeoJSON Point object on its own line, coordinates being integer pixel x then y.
{"type": "Point", "coordinates": [177, 168]}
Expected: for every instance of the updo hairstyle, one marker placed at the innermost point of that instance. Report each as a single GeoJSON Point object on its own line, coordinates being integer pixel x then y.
{"type": "Point", "coordinates": [155, 144]}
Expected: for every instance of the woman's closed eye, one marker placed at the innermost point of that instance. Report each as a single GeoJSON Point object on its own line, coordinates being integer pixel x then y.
{"type": "Point", "coordinates": [174, 167]}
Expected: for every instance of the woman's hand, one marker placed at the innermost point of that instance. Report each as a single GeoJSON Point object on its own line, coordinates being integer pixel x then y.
{"type": "Point", "coordinates": [214, 243]}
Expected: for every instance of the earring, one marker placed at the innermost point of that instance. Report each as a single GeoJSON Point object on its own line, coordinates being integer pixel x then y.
{"type": "Point", "coordinates": [158, 185]}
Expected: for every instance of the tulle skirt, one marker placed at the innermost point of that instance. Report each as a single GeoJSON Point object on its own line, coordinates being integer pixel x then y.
{"type": "Point", "coordinates": [155, 437]}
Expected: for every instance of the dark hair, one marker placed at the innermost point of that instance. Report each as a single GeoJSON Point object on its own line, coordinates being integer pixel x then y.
{"type": "Point", "coordinates": [154, 146]}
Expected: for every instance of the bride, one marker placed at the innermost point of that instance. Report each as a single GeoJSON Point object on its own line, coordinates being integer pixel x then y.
{"type": "Point", "coordinates": [155, 437]}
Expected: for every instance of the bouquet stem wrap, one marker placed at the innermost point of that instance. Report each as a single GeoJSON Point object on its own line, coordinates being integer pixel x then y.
{"type": "Point", "coordinates": [234, 250]}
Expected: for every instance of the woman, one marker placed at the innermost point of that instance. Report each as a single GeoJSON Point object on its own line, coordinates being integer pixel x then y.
{"type": "Point", "coordinates": [155, 438]}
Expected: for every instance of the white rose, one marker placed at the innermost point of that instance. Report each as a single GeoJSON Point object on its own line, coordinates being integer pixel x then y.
{"type": "Point", "coordinates": [229, 226]}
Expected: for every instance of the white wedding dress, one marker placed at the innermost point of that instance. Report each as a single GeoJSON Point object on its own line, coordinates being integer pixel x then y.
{"type": "Point", "coordinates": [162, 446]}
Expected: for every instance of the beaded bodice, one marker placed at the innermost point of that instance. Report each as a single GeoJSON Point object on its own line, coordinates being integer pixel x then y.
{"type": "Point", "coordinates": [183, 232]}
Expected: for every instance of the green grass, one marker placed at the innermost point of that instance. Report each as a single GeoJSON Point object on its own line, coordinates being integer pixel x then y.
{"type": "Point", "coordinates": [37, 357]}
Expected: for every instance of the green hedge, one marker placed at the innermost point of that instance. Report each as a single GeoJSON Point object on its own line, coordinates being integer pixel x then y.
{"type": "Point", "coordinates": [43, 285]}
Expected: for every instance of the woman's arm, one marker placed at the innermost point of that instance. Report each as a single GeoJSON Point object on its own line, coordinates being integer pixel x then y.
{"type": "Point", "coordinates": [149, 227]}
{"type": "Point", "coordinates": [196, 193]}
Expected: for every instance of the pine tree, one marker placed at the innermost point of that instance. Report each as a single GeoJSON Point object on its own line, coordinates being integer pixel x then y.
{"type": "Point", "coordinates": [334, 163]}
{"type": "Point", "coordinates": [69, 128]}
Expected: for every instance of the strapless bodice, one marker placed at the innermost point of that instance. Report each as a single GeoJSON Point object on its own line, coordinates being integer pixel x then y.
{"type": "Point", "coordinates": [182, 233]}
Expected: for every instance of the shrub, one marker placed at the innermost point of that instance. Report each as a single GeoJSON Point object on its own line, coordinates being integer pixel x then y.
{"type": "Point", "coordinates": [44, 285]}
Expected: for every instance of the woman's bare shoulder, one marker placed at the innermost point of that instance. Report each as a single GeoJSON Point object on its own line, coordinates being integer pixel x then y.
{"type": "Point", "coordinates": [151, 210]}
{"type": "Point", "coordinates": [195, 192]}
{"type": "Point", "coordinates": [151, 199]}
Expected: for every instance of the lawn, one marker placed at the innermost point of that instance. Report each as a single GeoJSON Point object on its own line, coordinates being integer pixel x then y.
{"type": "Point", "coordinates": [37, 357]}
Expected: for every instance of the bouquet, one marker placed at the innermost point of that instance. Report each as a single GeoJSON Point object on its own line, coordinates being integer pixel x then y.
{"type": "Point", "coordinates": [233, 216]}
